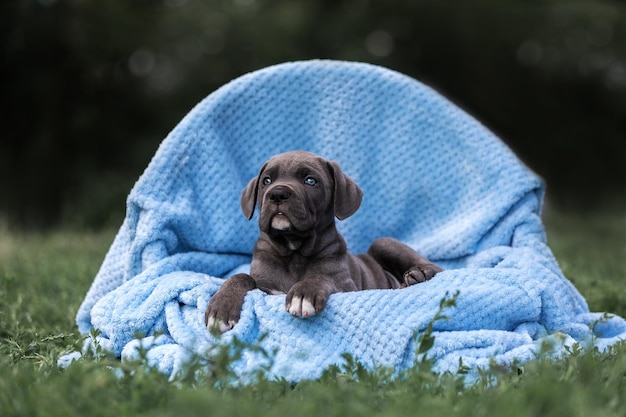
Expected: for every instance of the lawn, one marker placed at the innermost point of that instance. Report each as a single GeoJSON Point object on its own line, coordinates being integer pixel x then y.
{"type": "Point", "coordinates": [43, 278]}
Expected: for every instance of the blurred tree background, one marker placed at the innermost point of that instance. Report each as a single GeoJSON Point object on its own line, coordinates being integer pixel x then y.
{"type": "Point", "coordinates": [88, 89]}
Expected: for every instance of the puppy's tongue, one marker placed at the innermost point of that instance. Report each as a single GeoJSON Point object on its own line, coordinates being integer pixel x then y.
{"type": "Point", "coordinates": [280, 222]}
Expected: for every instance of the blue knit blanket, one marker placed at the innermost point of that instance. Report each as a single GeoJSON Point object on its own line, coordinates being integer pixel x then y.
{"type": "Point", "coordinates": [432, 177]}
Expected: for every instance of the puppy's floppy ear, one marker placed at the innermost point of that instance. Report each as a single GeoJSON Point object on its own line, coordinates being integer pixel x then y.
{"type": "Point", "coordinates": [248, 197]}
{"type": "Point", "coordinates": [347, 196]}
{"type": "Point", "coordinates": [250, 194]}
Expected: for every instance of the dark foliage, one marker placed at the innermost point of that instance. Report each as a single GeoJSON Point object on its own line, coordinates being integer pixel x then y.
{"type": "Point", "coordinates": [89, 89]}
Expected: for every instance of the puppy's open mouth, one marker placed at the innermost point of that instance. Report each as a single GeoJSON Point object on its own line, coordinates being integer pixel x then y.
{"type": "Point", "coordinates": [280, 222]}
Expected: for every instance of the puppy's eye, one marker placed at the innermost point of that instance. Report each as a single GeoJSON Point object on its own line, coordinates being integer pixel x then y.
{"type": "Point", "coordinates": [310, 181]}
{"type": "Point", "coordinates": [267, 181]}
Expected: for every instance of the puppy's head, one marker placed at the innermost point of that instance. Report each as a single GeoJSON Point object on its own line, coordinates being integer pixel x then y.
{"type": "Point", "coordinates": [298, 192]}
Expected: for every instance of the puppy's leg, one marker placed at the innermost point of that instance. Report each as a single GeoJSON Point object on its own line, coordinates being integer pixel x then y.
{"type": "Point", "coordinates": [224, 309]}
{"type": "Point", "coordinates": [406, 265]}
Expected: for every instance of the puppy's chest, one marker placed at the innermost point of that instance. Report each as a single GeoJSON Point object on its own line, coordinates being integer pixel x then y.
{"type": "Point", "coordinates": [296, 269]}
{"type": "Point", "coordinates": [279, 276]}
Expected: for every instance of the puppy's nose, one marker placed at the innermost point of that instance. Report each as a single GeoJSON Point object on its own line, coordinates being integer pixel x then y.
{"type": "Point", "coordinates": [279, 195]}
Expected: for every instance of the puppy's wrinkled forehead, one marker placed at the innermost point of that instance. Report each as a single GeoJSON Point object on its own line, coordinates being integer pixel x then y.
{"type": "Point", "coordinates": [296, 164]}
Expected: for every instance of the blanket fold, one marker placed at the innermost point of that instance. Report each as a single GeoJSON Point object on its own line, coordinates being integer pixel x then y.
{"type": "Point", "coordinates": [432, 177]}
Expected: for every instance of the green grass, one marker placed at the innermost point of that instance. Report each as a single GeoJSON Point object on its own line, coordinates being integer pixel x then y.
{"type": "Point", "coordinates": [43, 279]}
{"type": "Point", "coordinates": [591, 249]}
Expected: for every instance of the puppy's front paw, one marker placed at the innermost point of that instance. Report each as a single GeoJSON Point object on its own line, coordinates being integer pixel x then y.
{"type": "Point", "coordinates": [224, 309]}
{"type": "Point", "coordinates": [222, 313]}
{"type": "Point", "coordinates": [420, 273]}
{"type": "Point", "coordinates": [306, 298]}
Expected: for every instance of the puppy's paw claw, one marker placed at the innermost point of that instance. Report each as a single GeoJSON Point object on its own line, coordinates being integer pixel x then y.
{"type": "Point", "coordinates": [420, 273]}
{"type": "Point", "coordinates": [216, 325]}
{"type": "Point", "coordinates": [300, 307]}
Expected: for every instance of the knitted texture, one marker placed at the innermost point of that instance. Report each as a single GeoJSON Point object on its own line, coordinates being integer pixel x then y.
{"type": "Point", "coordinates": [432, 176]}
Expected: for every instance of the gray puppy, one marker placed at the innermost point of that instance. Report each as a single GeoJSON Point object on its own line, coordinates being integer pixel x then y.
{"type": "Point", "coordinates": [300, 252]}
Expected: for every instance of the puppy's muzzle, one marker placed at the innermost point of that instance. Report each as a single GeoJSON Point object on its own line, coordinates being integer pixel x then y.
{"type": "Point", "coordinates": [279, 196]}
